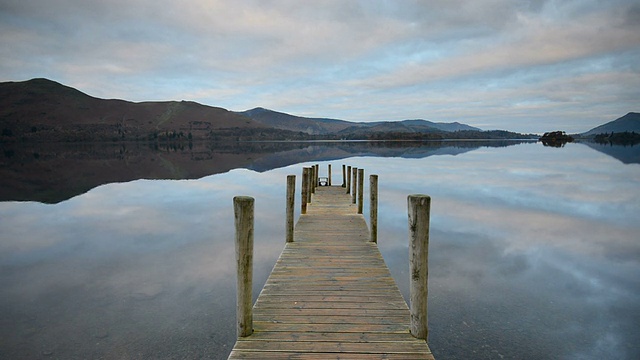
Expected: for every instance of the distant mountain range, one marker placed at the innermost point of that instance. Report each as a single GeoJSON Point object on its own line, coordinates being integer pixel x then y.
{"type": "Point", "coordinates": [321, 126]}
{"type": "Point", "coordinates": [44, 110]}
{"type": "Point", "coordinates": [629, 122]}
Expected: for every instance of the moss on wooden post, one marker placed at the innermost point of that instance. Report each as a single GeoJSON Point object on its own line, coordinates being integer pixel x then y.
{"type": "Point", "coordinates": [419, 209]}
{"type": "Point", "coordinates": [243, 211]}
{"type": "Point", "coordinates": [291, 195]}
{"type": "Point", "coordinates": [373, 207]}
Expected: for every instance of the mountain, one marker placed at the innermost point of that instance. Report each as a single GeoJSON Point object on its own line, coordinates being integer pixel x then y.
{"type": "Point", "coordinates": [322, 126]}
{"type": "Point", "coordinates": [629, 122]}
{"type": "Point", "coordinates": [449, 127]}
{"type": "Point", "coordinates": [284, 121]}
{"type": "Point", "coordinates": [44, 110]}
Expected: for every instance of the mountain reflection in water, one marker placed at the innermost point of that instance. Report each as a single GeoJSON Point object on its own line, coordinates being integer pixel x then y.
{"type": "Point", "coordinates": [55, 172]}
{"type": "Point", "coordinates": [534, 251]}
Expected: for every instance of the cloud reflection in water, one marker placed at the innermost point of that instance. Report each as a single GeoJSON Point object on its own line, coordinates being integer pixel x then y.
{"type": "Point", "coordinates": [533, 252]}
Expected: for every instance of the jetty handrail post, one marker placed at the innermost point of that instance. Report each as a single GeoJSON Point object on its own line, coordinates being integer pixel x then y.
{"type": "Point", "coordinates": [373, 207]}
{"type": "Point", "coordinates": [344, 176]}
{"type": "Point", "coordinates": [243, 211]}
{"type": "Point", "coordinates": [329, 174]}
{"type": "Point", "coordinates": [349, 179]}
{"type": "Point", "coordinates": [291, 196]}
{"type": "Point", "coordinates": [360, 190]}
{"type": "Point", "coordinates": [419, 207]}
{"type": "Point", "coordinates": [354, 185]}
{"type": "Point", "coordinates": [304, 189]}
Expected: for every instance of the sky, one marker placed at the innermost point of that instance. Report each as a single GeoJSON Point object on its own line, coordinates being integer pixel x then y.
{"type": "Point", "coordinates": [525, 66]}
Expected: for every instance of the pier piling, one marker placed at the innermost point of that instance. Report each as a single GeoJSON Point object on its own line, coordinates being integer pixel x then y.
{"type": "Point", "coordinates": [419, 209]}
{"type": "Point", "coordinates": [243, 211]}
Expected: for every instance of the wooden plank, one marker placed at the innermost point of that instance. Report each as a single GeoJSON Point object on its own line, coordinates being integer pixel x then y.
{"type": "Point", "coordinates": [266, 355]}
{"type": "Point", "coordinates": [412, 347]}
{"type": "Point", "coordinates": [330, 294]}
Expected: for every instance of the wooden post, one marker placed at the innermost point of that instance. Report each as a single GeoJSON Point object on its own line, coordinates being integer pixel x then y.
{"type": "Point", "coordinates": [305, 189]}
{"type": "Point", "coordinates": [373, 207]}
{"type": "Point", "coordinates": [344, 176]}
{"type": "Point", "coordinates": [419, 208]}
{"type": "Point", "coordinates": [348, 179]}
{"type": "Point", "coordinates": [329, 172]}
{"type": "Point", "coordinates": [360, 190]}
{"type": "Point", "coordinates": [243, 211]}
{"type": "Point", "coordinates": [310, 184]}
{"type": "Point", "coordinates": [291, 196]}
{"type": "Point", "coordinates": [317, 175]}
{"type": "Point", "coordinates": [312, 188]}
{"type": "Point", "coordinates": [354, 184]}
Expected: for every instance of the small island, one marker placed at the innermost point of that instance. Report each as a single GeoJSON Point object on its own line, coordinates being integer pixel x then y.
{"type": "Point", "coordinates": [555, 138]}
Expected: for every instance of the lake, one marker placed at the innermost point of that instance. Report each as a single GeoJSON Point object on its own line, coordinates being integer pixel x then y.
{"type": "Point", "coordinates": [534, 251]}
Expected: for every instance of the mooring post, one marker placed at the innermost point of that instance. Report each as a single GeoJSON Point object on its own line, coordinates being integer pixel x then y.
{"type": "Point", "coordinates": [419, 208]}
{"type": "Point", "coordinates": [243, 211]}
{"type": "Point", "coordinates": [317, 175]}
{"type": "Point", "coordinates": [354, 184]}
{"type": "Point", "coordinates": [348, 179]}
{"type": "Point", "coordinates": [304, 190]}
{"type": "Point", "coordinates": [310, 184]}
{"type": "Point", "coordinates": [344, 176]}
{"type": "Point", "coordinates": [373, 207]}
{"type": "Point", "coordinates": [360, 190]}
{"type": "Point", "coordinates": [312, 187]}
{"type": "Point", "coordinates": [329, 172]}
{"type": "Point", "coordinates": [291, 196]}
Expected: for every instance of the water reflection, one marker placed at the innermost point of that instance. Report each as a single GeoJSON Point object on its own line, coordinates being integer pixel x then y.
{"type": "Point", "coordinates": [52, 173]}
{"type": "Point", "coordinates": [534, 254]}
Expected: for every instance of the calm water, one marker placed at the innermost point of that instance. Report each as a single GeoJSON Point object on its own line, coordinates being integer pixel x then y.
{"type": "Point", "coordinates": [535, 254]}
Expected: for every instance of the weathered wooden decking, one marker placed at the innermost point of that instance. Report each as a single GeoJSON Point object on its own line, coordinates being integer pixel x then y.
{"type": "Point", "coordinates": [330, 295]}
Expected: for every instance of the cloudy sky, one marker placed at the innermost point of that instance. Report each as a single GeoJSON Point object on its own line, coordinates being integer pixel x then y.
{"type": "Point", "coordinates": [520, 65]}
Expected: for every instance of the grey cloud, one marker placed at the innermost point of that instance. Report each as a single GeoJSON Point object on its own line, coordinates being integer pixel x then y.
{"type": "Point", "coordinates": [360, 60]}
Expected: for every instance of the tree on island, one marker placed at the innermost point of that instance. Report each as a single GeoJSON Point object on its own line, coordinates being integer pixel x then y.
{"type": "Point", "coordinates": [555, 138]}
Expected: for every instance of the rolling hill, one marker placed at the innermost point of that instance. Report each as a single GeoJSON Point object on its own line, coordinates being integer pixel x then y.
{"type": "Point", "coordinates": [629, 122]}
{"type": "Point", "coordinates": [323, 126]}
{"type": "Point", "coordinates": [284, 121]}
{"type": "Point", "coordinates": [44, 110]}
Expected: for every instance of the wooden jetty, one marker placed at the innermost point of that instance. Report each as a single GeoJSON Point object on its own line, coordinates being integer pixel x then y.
{"type": "Point", "coordinates": [330, 294]}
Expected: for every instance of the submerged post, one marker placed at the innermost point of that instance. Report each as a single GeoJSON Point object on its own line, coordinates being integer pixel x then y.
{"type": "Point", "coordinates": [348, 179]}
{"type": "Point", "coordinates": [305, 189]}
{"type": "Point", "coordinates": [354, 184]}
{"type": "Point", "coordinates": [329, 172]}
{"type": "Point", "coordinates": [243, 211]}
{"type": "Point", "coordinates": [373, 207]}
{"type": "Point", "coordinates": [419, 209]}
{"type": "Point", "coordinates": [291, 196]}
{"type": "Point", "coordinates": [344, 176]}
{"type": "Point", "coordinates": [360, 190]}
